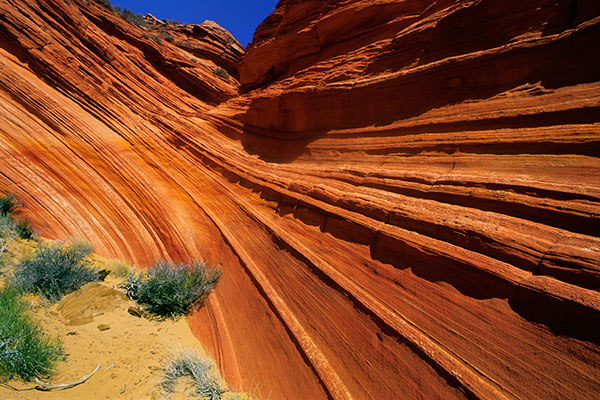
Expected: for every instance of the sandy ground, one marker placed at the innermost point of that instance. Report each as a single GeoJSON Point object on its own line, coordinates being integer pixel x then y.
{"type": "Point", "coordinates": [131, 352]}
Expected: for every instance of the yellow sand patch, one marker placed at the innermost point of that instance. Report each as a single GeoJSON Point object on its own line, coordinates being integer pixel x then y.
{"type": "Point", "coordinates": [131, 352]}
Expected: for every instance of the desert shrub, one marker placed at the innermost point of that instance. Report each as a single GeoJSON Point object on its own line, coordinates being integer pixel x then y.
{"type": "Point", "coordinates": [7, 235]}
{"type": "Point", "coordinates": [25, 351]}
{"type": "Point", "coordinates": [170, 289]}
{"type": "Point", "coordinates": [7, 226]}
{"type": "Point", "coordinates": [199, 368]}
{"type": "Point", "coordinates": [156, 38]}
{"type": "Point", "coordinates": [105, 3]}
{"type": "Point", "coordinates": [168, 37]}
{"type": "Point", "coordinates": [9, 223]}
{"type": "Point", "coordinates": [126, 14]}
{"type": "Point", "coordinates": [80, 247]}
{"type": "Point", "coordinates": [131, 17]}
{"type": "Point", "coordinates": [8, 205]}
{"type": "Point", "coordinates": [24, 229]}
{"type": "Point", "coordinates": [170, 21]}
{"type": "Point", "coordinates": [221, 72]}
{"type": "Point", "coordinates": [119, 268]}
{"type": "Point", "coordinates": [54, 270]}
{"type": "Point", "coordinates": [19, 227]}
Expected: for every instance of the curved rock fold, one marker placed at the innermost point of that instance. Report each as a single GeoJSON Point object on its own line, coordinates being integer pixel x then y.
{"type": "Point", "coordinates": [404, 196]}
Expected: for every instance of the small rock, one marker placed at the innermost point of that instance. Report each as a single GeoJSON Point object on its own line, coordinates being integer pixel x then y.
{"type": "Point", "coordinates": [103, 327]}
{"type": "Point", "coordinates": [103, 273]}
{"type": "Point", "coordinates": [71, 333]}
{"type": "Point", "coordinates": [136, 311]}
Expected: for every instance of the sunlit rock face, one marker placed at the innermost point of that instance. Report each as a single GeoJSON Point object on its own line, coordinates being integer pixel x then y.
{"type": "Point", "coordinates": [403, 195]}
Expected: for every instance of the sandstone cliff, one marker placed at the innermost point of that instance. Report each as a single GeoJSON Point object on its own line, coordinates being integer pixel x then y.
{"type": "Point", "coordinates": [404, 195]}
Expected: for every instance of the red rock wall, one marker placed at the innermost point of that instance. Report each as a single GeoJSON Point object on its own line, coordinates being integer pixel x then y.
{"type": "Point", "coordinates": [404, 199]}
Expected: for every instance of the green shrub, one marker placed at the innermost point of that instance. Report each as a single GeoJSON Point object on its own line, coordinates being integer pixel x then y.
{"type": "Point", "coordinates": [8, 205]}
{"type": "Point", "coordinates": [119, 268]}
{"type": "Point", "coordinates": [80, 247]}
{"type": "Point", "coordinates": [130, 16]}
{"type": "Point", "coordinates": [53, 271]}
{"type": "Point", "coordinates": [201, 369]}
{"type": "Point", "coordinates": [7, 235]}
{"type": "Point", "coordinates": [126, 14]}
{"type": "Point", "coordinates": [105, 3]}
{"type": "Point", "coordinates": [7, 226]}
{"type": "Point", "coordinates": [24, 229]}
{"type": "Point", "coordinates": [9, 223]}
{"type": "Point", "coordinates": [25, 352]}
{"type": "Point", "coordinates": [169, 289]}
{"type": "Point", "coordinates": [156, 38]}
{"type": "Point", "coordinates": [221, 72]}
{"type": "Point", "coordinates": [170, 21]}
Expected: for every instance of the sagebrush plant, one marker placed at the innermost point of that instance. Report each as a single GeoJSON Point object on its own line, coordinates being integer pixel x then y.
{"type": "Point", "coordinates": [119, 268]}
{"type": "Point", "coordinates": [156, 38]}
{"type": "Point", "coordinates": [130, 16]}
{"type": "Point", "coordinates": [8, 204]}
{"type": "Point", "coordinates": [200, 368]}
{"type": "Point", "coordinates": [55, 270]}
{"type": "Point", "coordinates": [169, 289]}
{"type": "Point", "coordinates": [170, 21]}
{"type": "Point", "coordinates": [221, 72]}
{"type": "Point", "coordinates": [7, 235]}
{"type": "Point", "coordinates": [80, 247]}
{"type": "Point", "coordinates": [8, 226]}
{"type": "Point", "coordinates": [126, 14]}
{"type": "Point", "coordinates": [25, 351]}
{"type": "Point", "coordinates": [105, 3]}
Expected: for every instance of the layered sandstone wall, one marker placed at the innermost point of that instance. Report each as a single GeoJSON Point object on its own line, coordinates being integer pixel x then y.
{"type": "Point", "coordinates": [404, 198]}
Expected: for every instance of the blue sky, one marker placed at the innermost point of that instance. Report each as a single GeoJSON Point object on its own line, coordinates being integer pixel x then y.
{"type": "Point", "coordinates": [240, 17]}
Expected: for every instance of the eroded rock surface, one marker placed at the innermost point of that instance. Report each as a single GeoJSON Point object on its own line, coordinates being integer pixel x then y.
{"type": "Point", "coordinates": [404, 195]}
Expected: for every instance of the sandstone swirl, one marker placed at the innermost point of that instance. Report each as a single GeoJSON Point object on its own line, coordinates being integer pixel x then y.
{"type": "Point", "coordinates": [404, 195]}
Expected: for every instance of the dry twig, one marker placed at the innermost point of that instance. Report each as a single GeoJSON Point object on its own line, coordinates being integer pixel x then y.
{"type": "Point", "coordinates": [46, 387]}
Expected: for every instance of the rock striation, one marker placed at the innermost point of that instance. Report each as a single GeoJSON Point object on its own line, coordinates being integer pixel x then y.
{"type": "Point", "coordinates": [404, 195]}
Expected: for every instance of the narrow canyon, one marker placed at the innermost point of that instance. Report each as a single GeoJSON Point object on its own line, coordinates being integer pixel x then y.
{"type": "Point", "coordinates": [404, 195]}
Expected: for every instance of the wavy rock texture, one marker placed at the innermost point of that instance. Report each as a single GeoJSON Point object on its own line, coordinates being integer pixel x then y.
{"type": "Point", "coordinates": [405, 197]}
{"type": "Point", "coordinates": [206, 40]}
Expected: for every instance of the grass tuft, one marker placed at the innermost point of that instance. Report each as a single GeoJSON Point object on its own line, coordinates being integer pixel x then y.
{"type": "Point", "coordinates": [170, 289]}
{"type": "Point", "coordinates": [200, 368]}
{"type": "Point", "coordinates": [25, 352]}
{"type": "Point", "coordinates": [54, 270]}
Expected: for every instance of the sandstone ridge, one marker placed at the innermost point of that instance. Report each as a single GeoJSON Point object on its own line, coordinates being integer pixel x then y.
{"type": "Point", "coordinates": [404, 195]}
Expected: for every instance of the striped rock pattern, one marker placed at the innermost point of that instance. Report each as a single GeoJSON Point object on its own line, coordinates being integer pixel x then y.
{"type": "Point", "coordinates": [404, 195]}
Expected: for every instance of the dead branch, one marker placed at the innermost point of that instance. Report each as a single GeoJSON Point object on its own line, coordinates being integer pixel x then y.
{"type": "Point", "coordinates": [7, 386]}
{"type": "Point", "coordinates": [5, 242]}
{"type": "Point", "coordinates": [46, 387]}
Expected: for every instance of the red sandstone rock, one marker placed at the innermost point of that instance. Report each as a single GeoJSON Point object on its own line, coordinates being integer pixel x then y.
{"type": "Point", "coordinates": [406, 204]}
{"type": "Point", "coordinates": [206, 40]}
